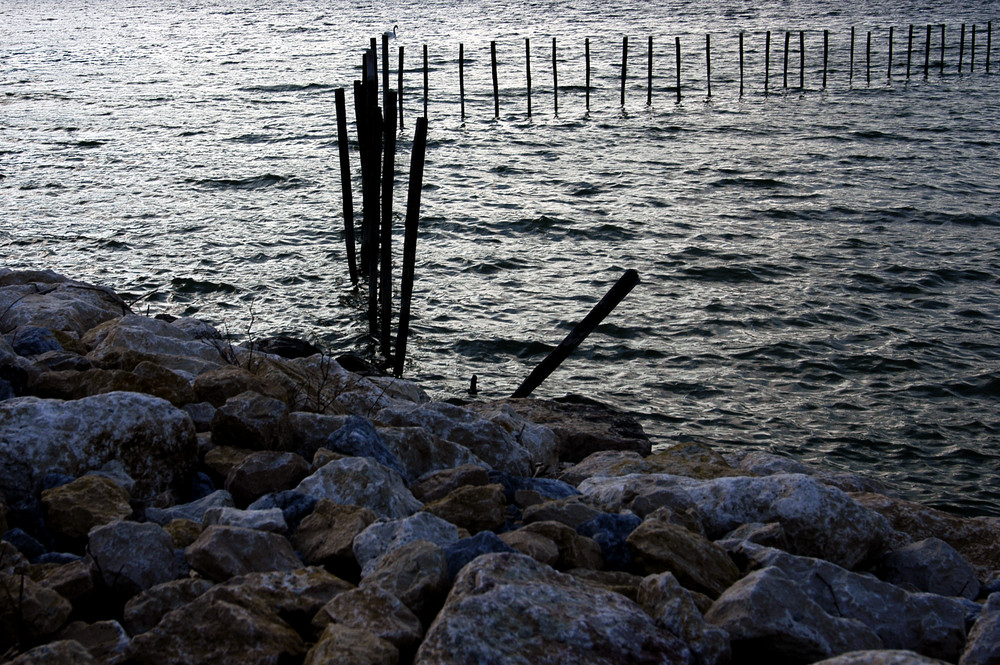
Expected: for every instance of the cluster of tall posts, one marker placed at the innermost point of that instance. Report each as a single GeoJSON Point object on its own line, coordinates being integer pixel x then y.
{"type": "Point", "coordinates": [919, 50]}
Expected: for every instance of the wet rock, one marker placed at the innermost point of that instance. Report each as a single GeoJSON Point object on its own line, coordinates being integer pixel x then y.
{"type": "Point", "coordinates": [49, 300]}
{"type": "Point", "coordinates": [761, 463]}
{"type": "Point", "coordinates": [251, 420]}
{"type": "Point", "coordinates": [196, 328]}
{"type": "Point", "coordinates": [558, 619]}
{"type": "Point", "coordinates": [345, 645]}
{"type": "Point", "coordinates": [659, 546]}
{"type": "Point", "coordinates": [61, 652]}
{"type": "Point", "coordinates": [372, 608]}
{"type": "Point", "coordinates": [131, 557]}
{"type": "Point", "coordinates": [61, 361]}
{"type": "Point", "coordinates": [271, 520]}
{"type": "Point", "coordinates": [488, 441]}
{"type": "Point", "coordinates": [264, 472]}
{"type": "Point", "coordinates": [219, 626]}
{"type": "Point", "coordinates": [770, 619]}
{"type": "Point", "coordinates": [983, 645]}
{"type": "Point", "coordinates": [76, 508]}
{"type": "Point", "coordinates": [153, 440]}
{"type": "Point", "coordinates": [358, 438]}
{"type": "Point", "coordinates": [106, 641]}
{"type": "Point", "coordinates": [571, 512]}
{"type": "Point", "coordinates": [465, 550]}
{"type": "Point", "coordinates": [575, 551]}
{"type": "Point", "coordinates": [194, 511]}
{"type": "Point", "coordinates": [144, 611]}
{"type": "Point", "coordinates": [438, 484]}
{"type": "Point", "coordinates": [383, 537]}
{"type": "Point", "coordinates": [30, 609]}
{"type": "Point", "coordinates": [417, 574]}
{"type": "Point", "coordinates": [976, 538]}
{"type": "Point", "coordinates": [420, 452]}
{"type": "Point", "coordinates": [475, 508]}
{"type": "Point", "coordinates": [930, 565]}
{"type": "Point", "coordinates": [361, 481]}
{"type": "Point", "coordinates": [583, 426]}
{"type": "Point", "coordinates": [767, 535]}
{"type": "Point", "coordinates": [671, 606]}
{"type": "Point", "coordinates": [222, 552]}
{"type": "Point", "coordinates": [286, 347]}
{"type": "Point", "coordinates": [611, 531]}
{"type": "Point", "coordinates": [326, 536]}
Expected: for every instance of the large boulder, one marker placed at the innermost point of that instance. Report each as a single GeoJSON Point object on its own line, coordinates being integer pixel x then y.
{"type": "Point", "coordinates": [29, 610]}
{"type": "Point", "coordinates": [475, 507]}
{"type": "Point", "coordinates": [930, 565]}
{"type": "Point", "coordinates": [377, 610]}
{"type": "Point", "coordinates": [144, 611]}
{"type": "Point", "coordinates": [345, 645]}
{"type": "Point", "coordinates": [155, 442]}
{"type": "Point", "coordinates": [508, 608]}
{"type": "Point", "coordinates": [983, 646]}
{"type": "Point", "coordinates": [264, 472]}
{"type": "Point", "coordinates": [254, 421]}
{"type": "Point", "coordinates": [49, 300]}
{"type": "Point", "coordinates": [171, 346]}
{"type": "Point", "coordinates": [382, 537]}
{"type": "Point", "coordinates": [327, 535]}
{"type": "Point", "coordinates": [361, 481]}
{"type": "Point", "coordinates": [222, 552]}
{"type": "Point", "coordinates": [72, 510]}
{"type": "Point", "coordinates": [132, 556]}
{"type": "Point", "coordinates": [417, 574]}
{"type": "Point", "coordinates": [671, 606]}
{"type": "Point", "coordinates": [420, 452]}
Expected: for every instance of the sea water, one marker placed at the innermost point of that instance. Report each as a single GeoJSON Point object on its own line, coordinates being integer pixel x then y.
{"type": "Point", "coordinates": [819, 268]}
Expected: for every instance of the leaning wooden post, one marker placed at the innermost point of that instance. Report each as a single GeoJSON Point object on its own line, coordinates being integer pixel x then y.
{"type": "Point", "coordinates": [909, 52]}
{"type": "Point", "coordinates": [527, 69]}
{"type": "Point", "coordinates": [961, 48]}
{"type": "Point", "coordinates": [496, 87]}
{"type": "Point", "coordinates": [888, 74]}
{"type": "Point", "coordinates": [347, 196]}
{"type": "Point", "coordinates": [586, 49]}
{"type": "Point", "coordinates": [649, 72]}
{"type": "Point", "coordinates": [927, 53]}
{"type": "Point", "coordinates": [708, 63]}
{"type": "Point", "coordinates": [399, 88]}
{"type": "Point", "coordinates": [767, 60]}
{"type": "Point", "coordinates": [826, 54]}
{"type": "Point", "coordinates": [461, 77]}
{"type": "Point", "coordinates": [410, 241]}
{"type": "Point", "coordinates": [741, 64]}
{"type": "Point", "coordinates": [385, 243]}
{"type": "Point", "coordinates": [579, 333]}
{"type": "Point", "coordinates": [868, 60]}
{"type": "Point", "coordinates": [425, 80]}
{"type": "Point", "coordinates": [555, 80]}
{"type": "Point", "coordinates": [851, 77]}
{"type": "Point", "coordinates": [802, 59]}
{"type": "Point", "coordinates": [677, 48]}
{"type": "Point", "coordinates": [624, 66]}
{"type": "Point", "coordinates": [786, 58]}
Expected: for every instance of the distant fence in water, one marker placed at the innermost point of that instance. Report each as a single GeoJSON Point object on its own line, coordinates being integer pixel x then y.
{"type": "Point", "coordinates": [866, 58]}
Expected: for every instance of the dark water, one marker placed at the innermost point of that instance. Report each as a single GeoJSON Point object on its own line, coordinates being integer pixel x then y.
{"type": "Point", "coordinates": [820, 268]}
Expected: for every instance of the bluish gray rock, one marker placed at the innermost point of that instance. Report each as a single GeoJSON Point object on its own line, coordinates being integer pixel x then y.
{"type": "Point", "coordinates": [465, 550]}
{"type": "Point", "coordinates": [610, 530]}
{"type": "Point", "coordinates": [358, 437]}
{"type": "Point", "coordinates": [983, 645]}
{"type": "Point", "coordinates": [930, 565]}
{"type": "Point", "coordinates": [295, 506]}
{"type": "Point", "coordinates": [194, 511]}
{"type": "Point", "coordinates": [33, 341]}
{"type": "Point", "coordinates": [547, 487]}
{"type": "Point", "coordinates": [384, 536]}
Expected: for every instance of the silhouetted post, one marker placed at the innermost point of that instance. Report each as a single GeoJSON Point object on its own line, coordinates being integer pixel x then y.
{"type": "Point", "coordinates": [888, 74]}
{"type": "Point", "coordinates": [989, 43]}
{"type": "Point", "coordinates": [399, 88]}
{"type": "Point", "coordinates": [579, 333]}
{"type": "Point", "coordinates": [425, 80]}
{"type": "Point", "coordinates": [461, 77]}
{"type": "Point", "coordinates": [767, 60]}
{"type": "Point", "coordinates": [496, 87]}
{"type": "Point", "coordinates": [410, 241]}
{"type": "Point", "coordinates": [385, 70]}
{"type": "Point", "coordinates": [372, 216]}
{"type": "Point", "coordinates": [909, 52]}
{"type": "Point", "coordinates": [787, 34]}
{"type": "Point", "coordinates": [555, 80]}
{"type": "Point", "coordinates": [972, 50]}
{"type": "Point", "coordinates": [649, 72]}
{"type": "Point", "coordinates": [961, 48]}
{"type": "Point", "coordinates": [624, 66]}
{"type": "Point", "coordinates": [802, 59]}
{"type": "Point", "coordinates": [942, 49]}
{"type": "Point", "coordinates": [826, 54]}
{"type": "Point", "coordinates": [927, 53]}
{"type": "Point", "coordinates": [586, 50]}
{"type": "Point", "coordinates": [385, 244]}
{"type": "Point", "coordinates": [677, 44]}
{"type": "Point", "coordinates": [868, 60]}
{"type": "Point", "coordinates": [851, 79]}
{"type": "Point", "coordinates": [347, 196]}
{"type": "Point", "coordinates": [741, 64]}
{"type": "Point", "coordinates": [527, 69]}
{"type": "Point", "coordinates": [708, 63]}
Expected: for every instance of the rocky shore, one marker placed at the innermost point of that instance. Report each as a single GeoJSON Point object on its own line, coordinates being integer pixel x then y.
{"type": "Point", "coordinates": [169, 497]}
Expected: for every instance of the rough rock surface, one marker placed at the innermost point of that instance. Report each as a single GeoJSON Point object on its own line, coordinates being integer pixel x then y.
{"type": "Point", "coordinates": [422, 452]}
{"type": "Point", "coordinates": [132, 556]}
{"type": "Point", "coordinates": [558, 620]}
{"type": "Point", "coordinates": [49, 300]}
{"type": "Point", "coordinates": [474, 508]}
{"type": "Point", "coordinates": [361, 481]}
{"type": "Point", "coordinates": [254, 421]}
{"type": "Point", "coordinates": [153, 440]}
{"type": "Point", "coordinates": [983, 645]}
{"type": "Point", "coordinates": [61, 652]}
{"type": "Point", "coordinates": [145, 610]}
{"type": "Point", "coordinates": [345, 645]}
{"type": "Point", "coordinates": [77, 507]}
{"type": "Point", "coordinates": [383, 537]}
{"type": "Point", "coordinates": [264, 472]}
{"type": "Point", "coordinates": [417, 574]}
{"type": "Point", "coordinates": [375, 609]}
{"type": "Point", "coordinates": [222, 552]}
{"type": "Point", "coordinates": [30, 609]}
{"type": "Point", "coordinates": [436, 485]}
{"type": "Point", "coordinates": [327, 535]}
{"type": "Point", "coordinates": [930, 565]}
{"type": "Point", "coordinates": [881, 657]}
{"type": "Point", "coordinates": [671, 606]}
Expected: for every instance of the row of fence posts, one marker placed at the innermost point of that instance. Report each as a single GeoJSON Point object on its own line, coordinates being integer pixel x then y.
{"type": "Point", "coordinates": [708, 65]}
{"type": "Point", "coordinates": [376, 128]}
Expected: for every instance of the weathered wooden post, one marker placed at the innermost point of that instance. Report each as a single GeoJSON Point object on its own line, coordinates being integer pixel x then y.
{"type": "Point", "coordinates": [989, 43]}
{"type": "Point", "coordinates": [741, 65]}
{"type": "Point", "coordinates": [385, 243]}
{"type": "Point", "coordinates": [555, 80]}
{"type": "Point", "coordinates": [942, 49]}
{"type": "Point", "coordinates": [385, 70]}
{"type": "Point", "coordinates": [624, 66]}
{"type": "Point", "coordinates": [649, 72]}
{"type": "Point", "coordinates": [972, 51]}
{"type": "Point", "coordinates": [677, 48]}
{"type": "Point", "coordinates": [802, 59]}
{"type": "Point", "coordinates": [586, 50]}
{"type": "Point", "coordinates": [425, 80]}
{"type": "Point", "coordinates": [787, 34]}
{"type": "Point", "coordinates": [399, 88]}
{"type": "Point", "coordinates": [527, 69]}
{"type": "Point", "coordinates": [410, 241]}
{"type": "Point", "coordinates": [826, 54]}
{"type": "Point", "coordinates": [346, 194]}
{"type": "Point", "coordinates": [961, 48]}
{"type": "Point", "coordinates": [927, 53]}
{"type": "Point", "coordinates": [461, 77]}
{"type": "Point", "coordinates": [579, 333]}
{"type": "Point", "coordinates": [496, 87]}
{"type": "Point", "coordinates": [708, 63]}
{"type": "Point", "coordinates": [888, 74]}
{"type": "Point", "coordinates": [851, 78]}
{"type": "Point", "coordinates": [868, 60]}
{"type": "Point", "coordinates": [909, 52]}
{"type": "Point", "coordinates": [767, 60]}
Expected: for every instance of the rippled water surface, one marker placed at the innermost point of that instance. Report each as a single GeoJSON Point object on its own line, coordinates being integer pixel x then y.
{"type": "Point", "coordinates": [820, 268]}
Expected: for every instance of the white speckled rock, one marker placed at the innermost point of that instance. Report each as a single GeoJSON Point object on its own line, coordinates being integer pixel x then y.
{"type": "Point", "coordinates": [49, 300]}
{"type": "Point", "coordinates": [270, 519]}
{"type": "Point", "coordinates": [361, 481]}
{"type": "Point", "coordinates": [155, 442]}
{"type": "Point", "coordinates": [155, 337]}
{"type": "Point", "coordinates": [383, 537]}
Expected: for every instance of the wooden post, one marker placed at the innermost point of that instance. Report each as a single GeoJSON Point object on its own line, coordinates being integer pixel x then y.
{"type": "Point", "coordinates": [802, 59]}
{"type": "Point", "coordinates": [624, 66]}
{"type": "Point", "coordinates": [372, 216]}
{"type": "Point", "coordinates": [461, 77]}
{"type": "Point", "coordinates": [972, 50]}
{"type": "Point", "coordinates": [868, 60]}
{"type": "Point", "coordinates": [741, 64]}
{"type": "Point", "coordinates": [909, 52]}
{"type": "Point", "coordinates": [787, 34]}
{"type": "Point", "coordinates": [826, 54]}
{"type": "Point", "coordinates": [989, 43]}
{"type": "Point", "coordinates": [346, 193]}
{"type": "Point", "coordinates": [361, 123]}
{"type": "Point", "coordinates": [767, 60]}
{"type": "Point", "coordinates": [579, 333]}
{"type": "Point", "coordinates": [496, 88]}
{"type": "Point", "coordinates": [410, 241]}
{"type": "Point", "coordinates": [399, 88]}
{"type": "Point", "coordinates": [425, 80]}
{"type": "Point", "coordinates": [385, 70]}
{"type": "Point", "coordinates": [888, 74]}
{"type": "Point", "coordinates": [527, 69]}
{"type": "Point", "coordinates": [851, 79]}
{"type": "Point", "coordinates": [942, 49]}
{"type": "Point", "coordinates": [708, 63]}
{"type": "Point", "coordinates": [555, 80]}
{"type": "Point", "coordinates": [961, 48]}
{"type": "Point", "coordinates": [927, 53]}
{"type": "Point", "coordinates": [586, 49]}
{"type": "Point", "coordinates": [649, 72]}
{"type": "Point", "coordinates": [385, 243]}
{"type": "Point", "coordinates": [677, 45]}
